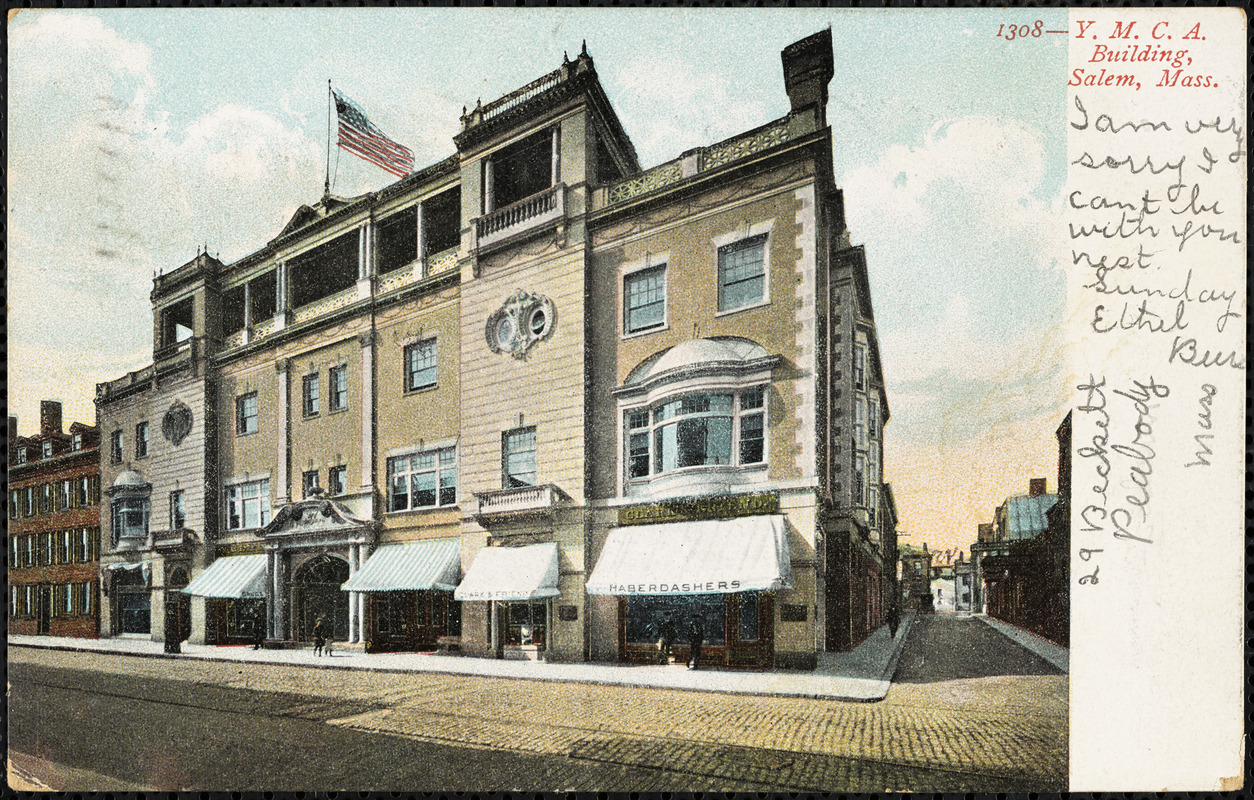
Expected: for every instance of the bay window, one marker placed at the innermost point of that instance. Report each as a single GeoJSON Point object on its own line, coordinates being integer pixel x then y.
{"type": "Point", "coordinates": [697, 430]}
{"type": "Point", "coordinates": [130, 519]}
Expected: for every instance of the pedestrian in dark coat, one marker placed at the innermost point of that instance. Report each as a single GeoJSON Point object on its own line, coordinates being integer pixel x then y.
{"type": "Point", "coordinates": [666, 637]}
{"type": "Point", "coordinates": [696, 638]}
{"type": "Point", "coordinates": [320, 635]}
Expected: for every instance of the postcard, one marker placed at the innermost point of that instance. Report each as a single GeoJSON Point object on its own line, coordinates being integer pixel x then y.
{"type": "Point", "coordinates": [626, 400]}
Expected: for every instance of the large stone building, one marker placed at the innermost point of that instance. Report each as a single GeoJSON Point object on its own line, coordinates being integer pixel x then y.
{"type": "Point", "coordinates": [524, 402]}
{"type": "Point", "coordinates": [54, 527]}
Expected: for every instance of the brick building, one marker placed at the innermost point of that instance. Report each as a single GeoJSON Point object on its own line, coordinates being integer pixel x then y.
{"type": "Point", "coordinates": [523, 402]}
{"type": "Point", "coordinates": [54, 527]}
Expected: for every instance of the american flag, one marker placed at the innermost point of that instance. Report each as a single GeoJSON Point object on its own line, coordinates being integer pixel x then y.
{"type": "Point", "coordinates": [359, 136]}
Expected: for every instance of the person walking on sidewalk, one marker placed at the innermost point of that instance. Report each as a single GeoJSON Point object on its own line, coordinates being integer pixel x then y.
{"type": "Point", "coordinates": [666, 637]}
{"type": "Point", "coordinates": [696, 638]}
{"type": "Point", "coordinates": [320, 635]}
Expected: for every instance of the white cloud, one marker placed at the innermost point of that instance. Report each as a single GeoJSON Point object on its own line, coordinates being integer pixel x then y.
{"type": "Point", "coordinates": [677, 109]}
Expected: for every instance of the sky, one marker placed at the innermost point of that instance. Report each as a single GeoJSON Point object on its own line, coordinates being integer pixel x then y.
{"type": "Point", "coordinates": [138, 136]}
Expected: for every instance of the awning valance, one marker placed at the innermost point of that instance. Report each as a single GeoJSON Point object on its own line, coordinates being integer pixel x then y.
{"type": "Point", "coordinates": [232, 577]}
{"type": "Point", "coordinates": [413, 566]}
{"type": "Point", "coordinates": [511, 573]}
{"type": "Point", "coordinates": [706, 557]}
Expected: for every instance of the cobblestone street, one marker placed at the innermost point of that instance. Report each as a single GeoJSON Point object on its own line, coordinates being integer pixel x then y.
{"type": "Point", "coordinates": [1001, 727]}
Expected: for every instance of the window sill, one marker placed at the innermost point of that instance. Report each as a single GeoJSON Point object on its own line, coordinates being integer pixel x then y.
{"type": "Point", "coordinates": [646, 331]}
{"type": "Point", "coordinates": [422, 510]}
{"type": "Point", "coordinates": [310, 416]}
{"type": "Point", "coordinates": [338, 411]}
{"type": "Point", "coordinates": [731, 311]}
{"type": "Point", "coordinates": [426, 387]}
{"type": "Point", "coordinates": [242, 434]}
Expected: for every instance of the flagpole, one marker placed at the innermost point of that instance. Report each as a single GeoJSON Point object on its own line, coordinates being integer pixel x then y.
{"type": "Point", "coordinates": [326, 184]}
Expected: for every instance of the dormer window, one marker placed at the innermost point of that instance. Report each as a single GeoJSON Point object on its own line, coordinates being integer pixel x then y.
{"type": "Point", "coordinates": [21, 455]}
{"type": "Point", "coordinates": [46, 448]}
{"type": "Point", "coordinates": [76, 442]}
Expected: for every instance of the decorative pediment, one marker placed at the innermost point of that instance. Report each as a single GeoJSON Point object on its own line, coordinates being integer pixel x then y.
{"type": "Point", "coordinates": [316, 516]}
{"type": "Point", "coordinates": [307, 215]}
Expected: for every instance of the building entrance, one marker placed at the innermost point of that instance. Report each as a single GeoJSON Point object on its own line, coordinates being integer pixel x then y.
{"type": "Point", "coordinates": [316, 593]}
{"type": "Point", "coordinates": [134, 601]}
{"type": "Point", "coordinates": [44, 612]}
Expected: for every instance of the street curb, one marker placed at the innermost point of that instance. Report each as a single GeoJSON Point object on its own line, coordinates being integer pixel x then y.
{"type": "Point", "coordinates": [593, 681]}
{"type": "Point", "coordinates": [890, 669]}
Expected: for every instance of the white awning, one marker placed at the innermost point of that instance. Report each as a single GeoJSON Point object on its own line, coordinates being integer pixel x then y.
{"type": "Point", "coordinates": [511, 573]}
{"type": "Point", "coordinates": [413, 566]}
{"type": "Point", "coordinates": [232, 576]}
{"type": "Point", "coordinates": [745, 554]}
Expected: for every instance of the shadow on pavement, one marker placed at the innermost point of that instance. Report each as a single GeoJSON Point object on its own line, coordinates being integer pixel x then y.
{"type": "Point", "coordinates": [951, 648]}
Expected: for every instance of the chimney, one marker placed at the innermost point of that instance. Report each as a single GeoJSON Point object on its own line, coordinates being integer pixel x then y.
{"type": "Point", "coordinates": [986, 532]}
{"type": "Point", "coordinates": [925, 547]}
{"type": "Point", "coordinates": [1036, 487]}
{"type": "Point", "coordinates": [49, 417]}
{"type": "Point", "coordinates": [12, 430]}
{"type": "Point", "coordinates": [808, 70]}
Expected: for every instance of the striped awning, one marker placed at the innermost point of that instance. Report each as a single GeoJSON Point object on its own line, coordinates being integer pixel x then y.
{"type": "Point", "coordinates": [413, 566]}
{"type": "Point", "coordinates": [233, 577]}
{"type": "Point", "coordinates": [512, 573]}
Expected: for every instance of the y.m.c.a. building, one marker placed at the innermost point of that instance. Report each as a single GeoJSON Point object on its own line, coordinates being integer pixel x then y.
{"type": "Point", "coordinates": [526, 402]}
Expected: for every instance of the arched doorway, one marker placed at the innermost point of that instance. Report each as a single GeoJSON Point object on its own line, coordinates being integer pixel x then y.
{"type": "Point", "coordinates": [316, 593]}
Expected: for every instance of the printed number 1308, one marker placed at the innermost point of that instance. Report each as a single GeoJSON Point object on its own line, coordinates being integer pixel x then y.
{"type": "Point", "coordinates": [1012, 32]}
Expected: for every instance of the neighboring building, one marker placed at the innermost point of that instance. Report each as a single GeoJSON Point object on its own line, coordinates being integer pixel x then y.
{"type": "Point", "coordinates": [1029, 583]}
{"type": "Point", "coordinates": [1017, 521]}
{"type": "Point", "coordinates": [964, 585]}
{"type": "Point", "coordinates": [522, 402]}
{"type": "Point", "coordinates": [54, 528]}
{"type": "Point", "coordinates": [916, 577]}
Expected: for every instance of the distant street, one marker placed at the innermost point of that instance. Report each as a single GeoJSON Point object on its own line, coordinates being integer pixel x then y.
{"type": "Point", "coordinates": [971, 712]}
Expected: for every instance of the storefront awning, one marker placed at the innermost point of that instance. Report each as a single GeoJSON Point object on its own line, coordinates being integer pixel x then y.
{"type": "Point", "coordinates": [414, 566]}
{"type": "Point", "coordinates": [511, 573]}
{"type": "Point", "coordinates": [233, 577]}
{"type": "Point", "coordinates": [708, 557]}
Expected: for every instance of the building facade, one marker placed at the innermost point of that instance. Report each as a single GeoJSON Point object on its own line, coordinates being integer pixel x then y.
{"type": "Point", "coordinates": [524, 402]}
{"type": "Point", "coordinates": [54, 527]}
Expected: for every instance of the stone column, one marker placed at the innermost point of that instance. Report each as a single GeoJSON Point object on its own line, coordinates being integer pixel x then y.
{"type": "Point", "coordinates": [555, 168]}
{"type": "Point", "coordinates": [248, 312]}
{"type": "Point", "coordinates": [281, 300]}
{"type": "Point", "coordinates": [281, 489]}
{"type": "Point", "coordinates": [365, 259]}
{"type": "Point", "coordinates": [488, 184]}
{"type": "Point", "coordinates": [272, 595]}
{"type": "Point", "coordinates": [420, 266]}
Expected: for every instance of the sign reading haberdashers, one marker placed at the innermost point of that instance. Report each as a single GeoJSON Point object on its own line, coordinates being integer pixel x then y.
{"type": "Point", "coordinates": [743, 505]}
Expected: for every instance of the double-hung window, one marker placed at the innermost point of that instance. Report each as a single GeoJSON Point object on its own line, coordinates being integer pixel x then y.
{"type": "Point", "coordinates": [178, 510]}
{"type": "Point", "coordinates": [753, 426]}
{"type": "Point", "coordinates": [337, 388]}
{"type": "Point", "coordinates": [859, 421]}
{"type": "Point", "coordinates": [21, 455]}
{"type": "Point", "coordinates": [14, 501]}
{"type": "Point", "coordinates": [115, 447]}
{"type": "Point", "coordinates": [420, 365]}
{"type": "Point", "coordinates": [742, 273]}
{"type": "Point", "coordinates": [248, 505]}
{"type": "Point", "coordinates": [63, 496]}
{"type": "Point", "coordinates": [141, 440]}
{"type": "Point", "coordinates": [130, 519]}
{"type": "Point", "coordinates": [76, 442]}
{"type": "Point", "coordinates": [873, 417]}
{"type": "Point", "coordinates": [859, 480]}
{"type": "Point", "coordinates": [859, 366]}
{"type": "Point", "coordinates": [423, 480]}
{"type": "Point", "coordinates": [29, 506]}
{"type": "Point", "coordinates": [644, 299]}
{"type": "Point", "coordinates": [45, 498]}
{"type": "Point", "coordinates": [518, 450]}
{"type": "Point", "coordinates": [337, 480]}
{"type": "Point", "coordinates": [246, 414]}
{"type": "Point", "coordinates": [47, 449]}
{"type": "Point", "coordinates": [311, 396]}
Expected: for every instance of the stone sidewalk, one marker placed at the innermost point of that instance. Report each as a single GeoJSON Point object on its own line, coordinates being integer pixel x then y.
{"type": "Point", "coordinates": [861, 675]}
{"type": "Point", "coordinates": [1054, 654]}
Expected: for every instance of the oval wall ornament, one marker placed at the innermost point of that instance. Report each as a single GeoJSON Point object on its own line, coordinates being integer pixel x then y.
{"type": "Point", "coordinates": [524, 319]}
{"type": "Point", "coordinates": [177, 423]}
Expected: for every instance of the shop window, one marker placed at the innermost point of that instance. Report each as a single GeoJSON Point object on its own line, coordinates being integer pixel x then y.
{"type": "Point", "coordinates": [423, 480]}
{"type": "Point", "coordinates": [644, 299]}
{"type": "Point", "coordinates": [308, 482]}
{"type": "Point", "coordinates": [178, 510]}
{"type": "Point", "coordinates": [420, 365]}
{"type": "Point", "coordinates": [310, 394]}
{"type": "Point", "coordinates": [742, 273]}
{"type": "Point", "coordinates": [391, 613]}
{"type": "Point", "coordinates": [141, 440]}
{"type": "Point", "coordinates": [337, 480]}
{"type": "Point", "coordinates": [645, 613]}
{"type": "Point", "coordinates": [526, 624]}
{"type": "Point", "coordinates": [519, 457]}
{"type": "Point", "coordinates": [130, 519]}
{"type": "Point", "coordinates": [248, 505]}
{"type": "Point", "coordinates": [337, 389]}
{"type": "Point", "coordinates": [747, 616]}
{"type": "Point", "coordinates": [246, 414]}
{"type": "Point", "coordinates": [115, 447]}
